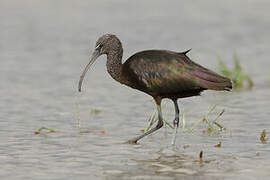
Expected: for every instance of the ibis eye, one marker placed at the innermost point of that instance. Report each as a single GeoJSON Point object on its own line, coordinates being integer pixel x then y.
{"type": "Point", "coordinates": [98, 47]}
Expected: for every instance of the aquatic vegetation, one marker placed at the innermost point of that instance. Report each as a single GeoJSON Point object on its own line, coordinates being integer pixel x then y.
{"type": "Point", "coordinates": [218, 144]}
{"type": "Point", "coordinates": [263, 137]}
{"type": "Point", "coordinates": [77, 114]}
{"type": "Point", "coordinates": [95, 111]}
{"type": "Point", "coordinates": [237, 75]}
{"type": "Point", "coordinates": [45, 128]}
{"type": "Point", "coordinates": [201, 155]}
{"type": "Point", "coordinates": [201, 158]}
{"type": "Point", "coordinates": [51, 130]}
{"type": "Point", "coordinates": [211, 124]}
{"type": "Point", "coordinates": [94, 132]}
{"type": "Point", "coordinates": [78, 118]}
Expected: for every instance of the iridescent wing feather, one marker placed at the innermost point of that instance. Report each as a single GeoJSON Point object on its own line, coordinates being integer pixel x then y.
{"type": "Point", "coordinates": [167, 72]}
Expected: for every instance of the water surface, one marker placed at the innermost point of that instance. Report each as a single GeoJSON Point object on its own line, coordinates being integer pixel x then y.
{"type": "Point", "coordinates": [44, 45]}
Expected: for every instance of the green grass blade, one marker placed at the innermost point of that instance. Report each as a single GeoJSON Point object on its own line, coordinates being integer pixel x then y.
{"type": "Point", "coordinates": [220, 126]}
{"type": "Point", "coordinates": [210, 127]}
{"type": "Point", "coordinates": [167, 123]}
{"type": "Point", "coordinates": [194, 126]}
{"type": "Point", "coordinates": [183, 122]}
{"type": "Point", "coordinates": [150, 121]}
{"type": "Point", "coordinates": [45, 128]}
{"type": "Point", "coordinates": [220, 114]}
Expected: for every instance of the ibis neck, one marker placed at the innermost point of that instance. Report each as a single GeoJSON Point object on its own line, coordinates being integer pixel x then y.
{"type": "Point", "coordinates": [114, 63]}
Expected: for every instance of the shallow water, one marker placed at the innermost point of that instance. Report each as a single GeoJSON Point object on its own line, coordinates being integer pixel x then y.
{"type": "Point", "coordinates": [44, 46]}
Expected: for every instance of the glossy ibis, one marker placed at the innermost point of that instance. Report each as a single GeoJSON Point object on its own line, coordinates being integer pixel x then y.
{"type": "Point", "coordinates": [159, 73]}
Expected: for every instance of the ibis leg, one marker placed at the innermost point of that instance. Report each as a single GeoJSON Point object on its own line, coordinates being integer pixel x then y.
{"type": "Point", "coordinates": [175, 121]}
{"type": "Point", "coordinates": [158, 126]}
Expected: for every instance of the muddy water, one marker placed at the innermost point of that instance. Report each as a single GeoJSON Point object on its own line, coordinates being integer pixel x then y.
{"type": "Point", "coordinates": [44, 45]}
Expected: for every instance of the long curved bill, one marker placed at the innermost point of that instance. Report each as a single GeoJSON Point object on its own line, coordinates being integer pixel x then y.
{"type": "Point", "coordinates": [91, 61]}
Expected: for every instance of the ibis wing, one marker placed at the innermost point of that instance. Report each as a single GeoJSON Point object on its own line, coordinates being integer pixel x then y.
{"type": "Point", "coordinates": [165, 72]}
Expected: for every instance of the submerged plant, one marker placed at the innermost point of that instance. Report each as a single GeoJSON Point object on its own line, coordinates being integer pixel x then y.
{"type": "Point", "coordinates": [237, 75]}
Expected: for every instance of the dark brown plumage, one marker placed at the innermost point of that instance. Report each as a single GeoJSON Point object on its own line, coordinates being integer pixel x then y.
{"type": "Point", "coordinates": [170, 75]}
{"type": "Point", "coordinates": [159, 73]}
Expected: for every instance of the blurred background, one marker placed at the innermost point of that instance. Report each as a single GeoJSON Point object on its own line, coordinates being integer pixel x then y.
{"type": "Point", "coordinates": [44, 46]}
